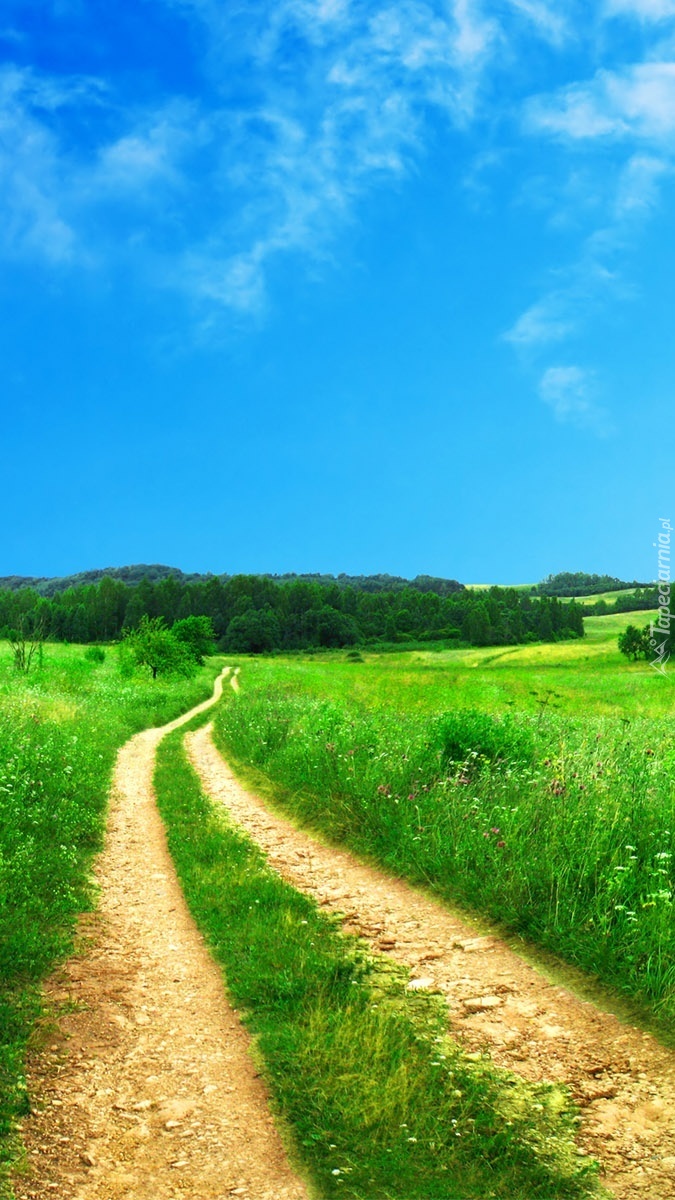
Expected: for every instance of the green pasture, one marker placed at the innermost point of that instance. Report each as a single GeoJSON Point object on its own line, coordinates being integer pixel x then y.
{"type": "Point", "coordinates": [532, 784]}
{"type": "Point", "coordinates": [553, 676]}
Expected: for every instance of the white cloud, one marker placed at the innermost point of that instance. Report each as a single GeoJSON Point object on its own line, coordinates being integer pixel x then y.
{"type": "Point", "coordinates": [638, 101]}
{"type": "Point", "coordinates": [570, 392]}
{"type": "Point", "coordinates": [638, 187]}
{"type": "Point", "coordinates": [31, 173]}
{"type": "Point", "coordinates": [549, 22]}
{"type": "Point", "coordinates": [644, 10]}
{"type": "Point", "coordinates": [547, 321]}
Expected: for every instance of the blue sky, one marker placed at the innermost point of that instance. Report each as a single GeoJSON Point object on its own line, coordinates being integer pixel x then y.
{"type": "Point", "coordinates": [337, 285]}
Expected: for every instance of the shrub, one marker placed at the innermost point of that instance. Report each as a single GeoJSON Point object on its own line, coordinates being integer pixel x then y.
{"type": "Point", "coordinates": [95, 654]}
{"type": "Point", "coordinates": [466, 731]}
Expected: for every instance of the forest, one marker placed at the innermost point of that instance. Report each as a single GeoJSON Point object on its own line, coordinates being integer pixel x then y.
{"type": "Point", "coordinates": [255, 614]}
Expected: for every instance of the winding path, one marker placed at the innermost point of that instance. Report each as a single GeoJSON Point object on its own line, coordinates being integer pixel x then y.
{"type": "Point", "coordinates": [148, 1089]}
{"type": "Point", "coordinates": [623, 1078]}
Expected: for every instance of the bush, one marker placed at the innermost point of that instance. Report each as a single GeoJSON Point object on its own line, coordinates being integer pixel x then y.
{"type": "Point", "coordinates": [461, 733]}
{"type": "Point", "coordinates": [95, 654]}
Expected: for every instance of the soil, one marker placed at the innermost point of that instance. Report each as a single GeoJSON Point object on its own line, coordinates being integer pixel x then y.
{"type": "Point", "coordinates": [622, 1078]}
{"type": "Point", "coordinates": [146, 1087]}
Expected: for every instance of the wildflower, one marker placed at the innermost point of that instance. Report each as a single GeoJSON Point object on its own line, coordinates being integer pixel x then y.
{"type": "Point", "coordinates": [500, 845]}
{"type": "Point", "coordinates": [384, 789]}
{"type": "Point", "coordinates": [494, 829]}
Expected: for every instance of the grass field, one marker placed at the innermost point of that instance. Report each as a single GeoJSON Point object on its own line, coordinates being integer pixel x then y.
{"type": "Point", "coordinates": [534, 785]}
{"type": "Point", "coordinates": [519, 678]}
{"type": "Point", "coordinates": [608, 597]}
{"type": "Point", "coordinates": [60, 727]}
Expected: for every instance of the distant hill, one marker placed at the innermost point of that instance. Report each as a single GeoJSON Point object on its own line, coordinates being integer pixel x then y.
{"type": "Point", "coordinates": [579, 583]}
{"type": "Point", "coordinates": [50, 585]}
{"type": "Point", "coordinates": [155, 572]}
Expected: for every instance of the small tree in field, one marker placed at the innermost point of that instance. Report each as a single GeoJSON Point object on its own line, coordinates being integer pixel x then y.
{"type": "Point", "coordinates": [635, 643]}
{"type": "Point", "coordinates": [153, 645]}
{"type": "Point", "coordinates": [26, 641]}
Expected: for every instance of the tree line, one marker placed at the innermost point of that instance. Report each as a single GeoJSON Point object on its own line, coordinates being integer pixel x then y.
{"type": "Point", "coordinates": [50, 585]}
{"type": "Point", "coordinates": [580, 583]}
{"type": "Point", "coordinates": [252, 613]}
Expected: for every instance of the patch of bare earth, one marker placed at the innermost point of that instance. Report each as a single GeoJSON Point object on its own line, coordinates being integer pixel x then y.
{"type": "Point", "coordinates": [147, 1089]}
{"type": "Point", "coordinates": [623, 1079]}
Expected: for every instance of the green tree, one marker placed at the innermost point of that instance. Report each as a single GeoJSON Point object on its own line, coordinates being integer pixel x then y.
{"type": "Point", "coordinates": [197, 634]}
{"type": "Point", "coordinates": [253, 632]}
{"type": "Point", "coordinates": [478, 631]}
{"type": "Point", "coordinates": [635, 643]}
{"type": "Point", "coordinates": [153, 645]}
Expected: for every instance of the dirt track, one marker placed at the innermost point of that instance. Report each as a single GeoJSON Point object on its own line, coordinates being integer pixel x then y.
{"type": "Point", "coordinates": [149, 1090]}
{"type": "Point", "coordinates": [624, 1080]}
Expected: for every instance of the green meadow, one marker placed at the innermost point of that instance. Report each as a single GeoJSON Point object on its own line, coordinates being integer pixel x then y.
{"type": "Point", "coordinates": [60, 727]}
{"type": "Point", "coordinates": [532, 785]}
{"type": "Point", "coordinates": [555, 676]}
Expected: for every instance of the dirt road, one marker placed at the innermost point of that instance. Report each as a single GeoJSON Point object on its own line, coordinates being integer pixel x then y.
{"type": "Point", "coordinates": [623, 1078]}
{"type": "Point", "coordinates": [148, 1089]}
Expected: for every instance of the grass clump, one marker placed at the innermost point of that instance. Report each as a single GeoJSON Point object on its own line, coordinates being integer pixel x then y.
{"type": "Point", "coordinates": [380, 1104]}
{"type": "Point", "coordinates": [470, 732]}
{"type": "Point", "coordinates": [60, 727]}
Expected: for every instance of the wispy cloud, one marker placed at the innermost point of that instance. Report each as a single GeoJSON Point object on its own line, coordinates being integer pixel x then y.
{"type": "Point", "coordinates": [570, 392]}
{"type": "Point", "coordinates": [638, 101]}
{"type": "Point", "coordinates": [354, 118]}
{"type": "Point", "coordinates": [644, 10]}
{"type": "Point", "coordinates": [31, 170]}
{"type": "Point", "coordinates": [552, 24]}
{"type": "Point", "coordinates": [548, 320]}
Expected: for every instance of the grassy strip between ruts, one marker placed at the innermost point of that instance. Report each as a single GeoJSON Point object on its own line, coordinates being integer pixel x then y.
{"type": "Point", "coordinates": [379, 1103]}
{"type": "Point", "coordinates": [60, 728]}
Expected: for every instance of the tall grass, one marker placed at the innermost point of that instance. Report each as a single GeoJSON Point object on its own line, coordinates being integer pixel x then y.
{"type": "Point", "coordinates": [380, 1104]}
{"type": "Point", "coordinates": [59, 730]}
{"type": "Point", "coordinates": [561, 829]}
